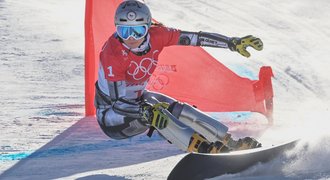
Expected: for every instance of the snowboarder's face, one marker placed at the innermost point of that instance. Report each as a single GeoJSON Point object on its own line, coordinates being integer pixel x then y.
{"type": "Point", "coordinates": [133, 43]}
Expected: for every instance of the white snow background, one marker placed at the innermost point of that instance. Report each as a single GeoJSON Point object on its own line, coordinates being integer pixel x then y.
{"type": "Point", "coordinates": [42, 89]}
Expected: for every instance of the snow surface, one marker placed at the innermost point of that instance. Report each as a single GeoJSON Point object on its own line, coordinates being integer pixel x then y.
{"type": "Point", "coordinates": [42, 93]}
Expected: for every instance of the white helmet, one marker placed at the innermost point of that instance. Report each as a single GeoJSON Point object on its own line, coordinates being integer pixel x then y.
{"type": "Point", "coordinates": [133, 13]}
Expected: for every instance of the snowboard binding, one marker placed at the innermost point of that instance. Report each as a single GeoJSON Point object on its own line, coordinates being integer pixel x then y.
{"type": "Point", "coordinates": [247, 143]}
{"type": "Point", "coordinates": [201, 145]}
{"type": "Point", "coordinates": [241, 144]}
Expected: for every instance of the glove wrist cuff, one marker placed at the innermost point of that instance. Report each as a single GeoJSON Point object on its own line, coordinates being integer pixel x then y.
{"type": "Point", "coordinates": [232, 43]}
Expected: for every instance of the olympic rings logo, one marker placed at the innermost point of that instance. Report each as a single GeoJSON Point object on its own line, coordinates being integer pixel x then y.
{"type": "Point", "coordinates": [158, 82]}
{"type": "Point", "coordinates": [144, 68]}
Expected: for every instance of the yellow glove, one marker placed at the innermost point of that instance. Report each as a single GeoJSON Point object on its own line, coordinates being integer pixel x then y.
{"type": "Point", "coordinates": [155, 116]}
{"type": "Point", "coordinates": [240, 44]}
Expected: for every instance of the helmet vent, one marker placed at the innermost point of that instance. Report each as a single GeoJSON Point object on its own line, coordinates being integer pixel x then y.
{"type": "Point", "coordinates": [123, 20]}
{"type": "Point", "coordinates": [141, 19]}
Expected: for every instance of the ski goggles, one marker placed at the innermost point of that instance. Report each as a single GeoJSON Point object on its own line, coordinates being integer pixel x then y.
{"type": "Point", "coordinates": [137, 32]}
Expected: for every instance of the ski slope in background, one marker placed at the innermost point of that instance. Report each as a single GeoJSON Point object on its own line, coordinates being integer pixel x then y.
{"type": "Point", "coordinates": [42, 77]}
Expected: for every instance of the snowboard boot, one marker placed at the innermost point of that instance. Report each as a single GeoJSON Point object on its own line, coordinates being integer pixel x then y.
{"type": "Point", "coordinates": [241, 144]}
{"type": "Point", "coordinates": [199, 144]}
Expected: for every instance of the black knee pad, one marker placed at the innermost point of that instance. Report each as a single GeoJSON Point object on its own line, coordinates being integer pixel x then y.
{"type": "Point", "coordinates": [130, 127]}
{"type": "Point", "coordinates": [175, 109]}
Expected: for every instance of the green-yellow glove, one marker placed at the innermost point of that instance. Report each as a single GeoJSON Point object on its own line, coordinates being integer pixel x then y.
{"type": "Point", "coordinates": [240, 44]}
{"type": "Point", "coordinates": [155, 116]}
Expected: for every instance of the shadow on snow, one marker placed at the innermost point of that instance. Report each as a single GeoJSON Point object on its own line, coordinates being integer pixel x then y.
{"type": "Point", "coordinates": [83, 147]}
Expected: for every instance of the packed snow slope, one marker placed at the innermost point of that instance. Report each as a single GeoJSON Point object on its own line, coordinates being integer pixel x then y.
{"type": "Point", "coordinates": [42, 98]}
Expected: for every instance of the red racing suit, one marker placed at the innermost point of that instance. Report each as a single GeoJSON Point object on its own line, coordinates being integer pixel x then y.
{"type": "Point", "coordinates": [124, 74]}
{"type": "Point", "coordinates": [119, 64]}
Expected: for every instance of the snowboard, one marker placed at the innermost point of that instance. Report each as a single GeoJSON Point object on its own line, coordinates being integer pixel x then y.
{"type": "Point", "coordinates": [197, 166]}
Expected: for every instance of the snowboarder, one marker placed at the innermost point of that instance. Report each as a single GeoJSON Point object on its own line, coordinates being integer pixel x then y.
{"type": "Point", "coordinates": [127, 60]}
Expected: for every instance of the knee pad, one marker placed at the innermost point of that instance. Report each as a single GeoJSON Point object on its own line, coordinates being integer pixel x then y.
{"type": "Point", "coordinates": [124, 127]}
